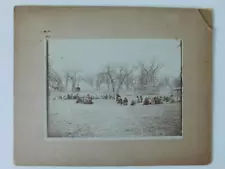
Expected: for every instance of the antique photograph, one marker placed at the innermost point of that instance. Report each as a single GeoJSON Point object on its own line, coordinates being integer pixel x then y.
{"type": "Point", "coordinates": [114, 88]}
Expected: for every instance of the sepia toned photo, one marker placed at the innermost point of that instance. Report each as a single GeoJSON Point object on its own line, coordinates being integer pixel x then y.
{"type": "Point", "coordinates": [114, 88]}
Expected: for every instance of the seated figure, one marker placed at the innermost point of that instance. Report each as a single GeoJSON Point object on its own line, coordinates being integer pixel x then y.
{"type": "Point", "coordinates": [132, 103]}
{"type": "Point", "coordinates": [146, 101]}
{"type": "Point", "coordinates": [125, 101]}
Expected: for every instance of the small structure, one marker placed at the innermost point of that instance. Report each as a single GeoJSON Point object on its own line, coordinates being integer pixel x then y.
{"type": "Point", "coordinates": [177, 93]}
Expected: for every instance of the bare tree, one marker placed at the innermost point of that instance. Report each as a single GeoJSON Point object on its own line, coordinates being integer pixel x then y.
{"type": "Point", "coordinates": [177, 81]}
{"type": "Point", "coordinates": [73, 76]}
{"type": "Point", "coordinates": [149, 72]}
{"type": "Point", "coordinates": [54, 79]}
{"type": "Point", "coordinates": [110, 77]}
{"type": "Point", "coordinates": [165, 82]}
{"type": "Point", "coordinates": [142, 78]}
{"type": "Point", "coordinates": [123, 76]}
{"type": "Point", "coordinates": [74, 81]}
{"type": "Point", "coordinates": [100, 79]}
{"type": "Point", "coordinates": [129, 81]}
{"type": "Point", "coordinates": [114, 76]}
{"type": "Point", "coordinates": [67, 77]}
{"type": "Point", "coordinates": [118, 76]}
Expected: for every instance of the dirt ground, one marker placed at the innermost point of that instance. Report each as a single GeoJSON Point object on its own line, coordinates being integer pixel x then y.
{"type": "Point", "coordinates": [105, 118]}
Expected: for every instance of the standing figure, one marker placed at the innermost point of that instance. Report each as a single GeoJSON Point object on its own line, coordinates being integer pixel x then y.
{"type": "Point", "coordinates": [141, 99]}
{"type": "Point", "coordinates": [138, 100]}
{"type": "Point", "coordinates": [150, 100]}
{"type": "Point", "coordinates": [117, 96]}
{"type": "Point", "coordinates": [121, 101]}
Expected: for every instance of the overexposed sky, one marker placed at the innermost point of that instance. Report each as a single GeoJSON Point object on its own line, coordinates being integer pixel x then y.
{"type": "Point", "coordinates": [91, 55]}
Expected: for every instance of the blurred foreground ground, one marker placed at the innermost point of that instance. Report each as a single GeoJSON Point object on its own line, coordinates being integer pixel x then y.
{"type": "Point", "coordinates": [105, 118]}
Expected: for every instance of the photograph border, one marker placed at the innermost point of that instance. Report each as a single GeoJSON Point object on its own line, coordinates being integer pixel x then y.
{"type": "Point", "coordinates": [30, 146]}
{"type": "Point", "coordinates": [106, 138]}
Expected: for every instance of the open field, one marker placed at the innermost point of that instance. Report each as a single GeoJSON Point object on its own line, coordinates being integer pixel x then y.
{"type": "Point", "coordinates": [105, 118]}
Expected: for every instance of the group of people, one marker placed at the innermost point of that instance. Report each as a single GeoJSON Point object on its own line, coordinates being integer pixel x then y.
{"type": "Point", "coordinates": [88, 99]}
{"type": "Point", "coordinates": [147, 101]}
{"type": "Point", "coordinates": [71, 96]}
{"type": "Point", "coordinates": [139, 99]}
{"type": "Point", "coordinates": [85, 100]}
{"type": "Point", "coordinates": [107, 96]}
{"type": "Point", "coordinates": [158, 100]}
{"type": "Point", "coordinates": [121, 101]}
{"type": "Point", "coordinates": [124, 101]}
{"type": "Point", "coordinates": [79, 99]}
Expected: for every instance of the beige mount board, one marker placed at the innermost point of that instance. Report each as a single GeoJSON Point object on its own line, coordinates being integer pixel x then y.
{"type": "Point", "coordinates": [30, 144]}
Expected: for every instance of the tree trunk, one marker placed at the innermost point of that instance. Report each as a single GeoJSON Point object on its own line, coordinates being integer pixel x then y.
{"type": "Point", "coordinates": [113, 88]}
{"type": "Point", "coordinates": [66, 84]}
{"type": "Point", "coordinates": [108, 86]}
{"type": "Point", "coordinates": [73, 86]}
